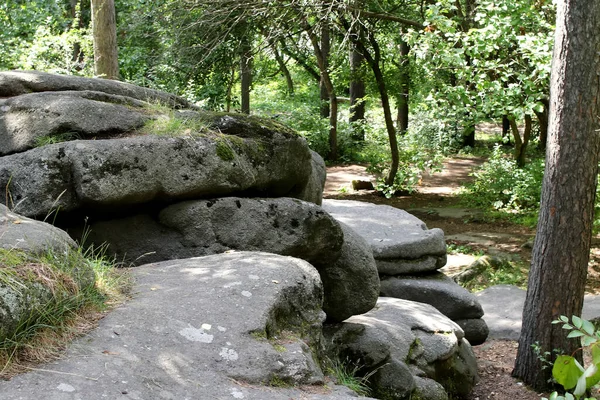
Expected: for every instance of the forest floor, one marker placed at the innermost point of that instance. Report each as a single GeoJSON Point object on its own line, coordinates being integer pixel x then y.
{"type": "Point", "coordinates": [437, 203]}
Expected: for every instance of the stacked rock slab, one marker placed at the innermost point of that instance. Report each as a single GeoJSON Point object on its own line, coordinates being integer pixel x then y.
{"type": "Point", "coordinates": [408, 256]}
{"type": "Point", "coordinates": [225, 182]}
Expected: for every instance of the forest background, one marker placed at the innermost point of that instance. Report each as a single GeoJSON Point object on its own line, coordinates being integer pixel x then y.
{"type": "Point", "coordinates": [397, 85]}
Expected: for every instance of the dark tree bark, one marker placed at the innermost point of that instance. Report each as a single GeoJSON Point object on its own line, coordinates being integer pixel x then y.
{"type": "Point", "coordinates": [506, 128]}
{"type": "Point", "coordinates": [325, 50]}
{"type": "Point", "coordinates": [245, 73]}
{"type": "Point", "coordinates": [326, 82]}
{"type": "Point", "coordinates": [521, 142]}
{"type": "Point", "coordinates": [562, 244]}
{"type": "Point", "coordinates": [357, 93]}
{"type": "Point", "coordinates": [402, 118]}
{"type": "Point", "coordinates": [373, 60]}
{"type": "Point", "coordinates": [300, 59]}
{"type": "Point", "coordinates": [543, 122]}
{"type": "Point", "coordinates": [465, 12]}
{"type": "Point", "coordinates": [104, 31]}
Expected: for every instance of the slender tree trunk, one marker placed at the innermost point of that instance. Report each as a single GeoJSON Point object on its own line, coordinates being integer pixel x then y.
{"type": "Point", "coordinates": [543, 122]}
{"type": "Point", "coordinates": [325, 49]}
{"type": "Point", "coordinates": [402, 118]}
{"type": "Point", "coordinates": [506, 128]}
{"type": "Point", "coordinates": [562, 245]}
{"type": "Point", "coordinates": [104, 29]}
{"type": "Point", "coordinates": [300, 60]}
{"type": "Point", "coordinates": [245, 73]}
{"type": "Point", "coordinates": [283, 68]}
{"type": "Point", "coordinates": [521, 143]}
{"type": "Point", "coordinates": [326, 80]}
{"type": "Point", "coordinates": [75, 14]}
{"type": "Point", "coordinates": [357, 94]}
{"type": "Point", "coordinates": [373, 61]}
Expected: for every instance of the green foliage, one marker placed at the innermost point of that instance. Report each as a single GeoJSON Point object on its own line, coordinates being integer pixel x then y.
{"type": "Point", "coordinates": [500, 185]}
{"type": "Point", "coordinates": [421, 148]}
{"type": "Point", "coordinates": [507, 273]}
{"type": "Point", "coordinates": [171, 125]}
{"type": "Point", "coordinates": [567, 371]}
{"type": "Point", "coordinates": [40, 35]}
{"type": "Point", "coordinates": [346, 373]}
{"type": "Point", "coordinates": [60, 272]}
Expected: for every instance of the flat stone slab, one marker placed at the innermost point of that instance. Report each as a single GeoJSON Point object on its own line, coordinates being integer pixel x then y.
{"type": "Point", "coordinates": [393, 234]}
{"type": "Point", "coordinates": [452, 300]}
{"type": "Point", "coordinates": [449, 212]}
{"type": "Point", "coordinates": [22, 233]}
{"type": "Point", "coordinates": [503, 306]}
{"type": "Point", "coordinates": [202, 328]}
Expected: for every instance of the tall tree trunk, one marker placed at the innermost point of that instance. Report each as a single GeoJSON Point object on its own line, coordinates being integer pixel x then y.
{"type": "Point", "coordinates": [326, 80]}
{"type": "Point", "coordinates": [373, 61]}
{"type": "Point", "coordinates": [357, 94]}
{"type": "Point", "coordinates": [543, 122]}
{"type": "Point", "coordinates": [521, 143]}
{"type": "Point", "coordinates": [104, 30]}
{"type": "Point", "coordinates": [506, 128]}
{"type": "Point", "coordinates": [282, 67]}
{"type": "Point", "coordinates": [325, 49]}
{"type": "Point", "coordinates": [466, 24]}
{"type": "Point", "coordinates": [402, 118]}
{"type": "Point", "coordinates": [75, 14]}
{"type": "Point", "coordinates": [562, 244]}
{"type": "Point", "coordinates": [245, 73]}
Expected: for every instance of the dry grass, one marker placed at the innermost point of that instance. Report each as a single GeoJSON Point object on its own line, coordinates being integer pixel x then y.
{"type": "Point", "coordinates": [72, 311]}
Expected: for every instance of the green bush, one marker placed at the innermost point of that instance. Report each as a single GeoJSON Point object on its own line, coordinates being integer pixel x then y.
{"type": "Point", "coordinates": [575, 378]}
{"type": "Point", "coordinates": [419, 150]}
{"type": "Point", "coordinates": [501, 185]}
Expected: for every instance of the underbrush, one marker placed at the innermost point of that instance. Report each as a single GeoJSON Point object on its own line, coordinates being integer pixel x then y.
{"type": "Point", "coordinates": [505, 191]}
{"type": "Point", "coordinates": [81, 285]}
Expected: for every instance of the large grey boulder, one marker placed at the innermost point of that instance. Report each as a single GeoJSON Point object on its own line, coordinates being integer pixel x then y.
{"type": "Point", "coordinates": [21, 233]}
{"type": "Point", "coordinates": [114, 174]}
{"type": "Point", "coordinates": [213, 327]}
{"type": "Point", "coordinates": [28, 119]}
{"type": "Point", "coordinates": [313, 191]}
{"type": "Point", "coordinates": [401, 242]}
{"type": "Point", "coordinates": [15, 83]}
{"type": "Point", "coordinates": [201, 227]}
{"type": "Point", "coordinates": [351, 283]}
{"type": "Point", "coordinates": [436, 289]}
{"type": "Point", "coordinates": [408, 349]}
{"type": "Point", "coordinates": [283, 226]}
{"type": "Point", "coordinates": [452, 300]}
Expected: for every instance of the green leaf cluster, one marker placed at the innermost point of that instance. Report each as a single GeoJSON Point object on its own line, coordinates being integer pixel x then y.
{"type": "Point", "coordinates": [567, 371]}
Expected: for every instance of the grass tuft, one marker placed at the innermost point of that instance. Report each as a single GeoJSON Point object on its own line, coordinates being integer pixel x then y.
{"type": "Point", "coordinates": [82, 286]}
{"type": "Point", "coordinates": [347, 373]}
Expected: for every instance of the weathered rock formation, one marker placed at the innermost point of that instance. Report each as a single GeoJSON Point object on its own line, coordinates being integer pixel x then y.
{"type": "Point", "coordinates": [157, 179]}
{"type": "Point", "coordinates": [409, 350]}
{"type": "Point", "coordinates": [221, 326]}
{"type": "Point", "coordinates": [408, 256]}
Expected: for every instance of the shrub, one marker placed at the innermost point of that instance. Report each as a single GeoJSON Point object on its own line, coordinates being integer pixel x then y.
{"type": "Point", "coordinates": [501, 185]}
{"type": "Point", "coordinates": [567, 371]}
